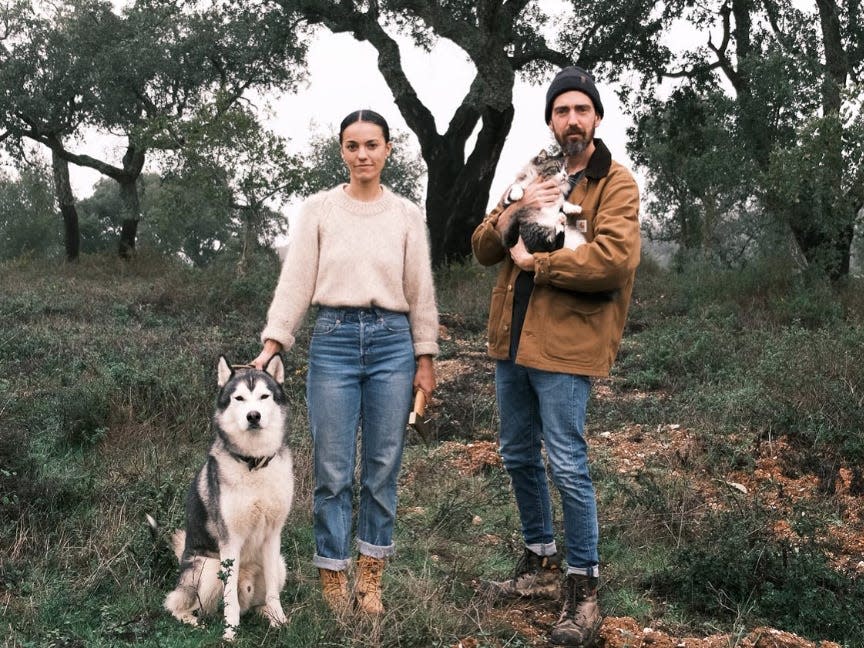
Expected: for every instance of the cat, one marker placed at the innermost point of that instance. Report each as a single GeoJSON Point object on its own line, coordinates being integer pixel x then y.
{"type": "Point", "coordinates": [540, 228]}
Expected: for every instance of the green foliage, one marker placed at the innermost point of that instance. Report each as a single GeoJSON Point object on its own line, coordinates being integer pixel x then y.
{"type": "Point", "coordinates": [100, 215]}
{"type": "Point", "coordinates": [812, 180]}
{"type": "Point", "coordinates": [765, 348]}
{"type": "Point", "coordinates": [736, 566]}
{"type": "Point", "coordinates": [106, 396]}
{"type": "Point", "coordinates": [163, 75]}
{"type": "Point", "coordinates": [249, 167]}
{"type": "Point", "coordinates": [463, 294]}
{"type": "Point", "coordinates": [811, 392]}
{"type": "Point", "coordinates": [29, 224]}
{"type": "Point", "coordinates": [768, 140]}
{"type": "Point", "coordinates": [189, 215]}
{"type": "Point", "coordinates": [699, 174]}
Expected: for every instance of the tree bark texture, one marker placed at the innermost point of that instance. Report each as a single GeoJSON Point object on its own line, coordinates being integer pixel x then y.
{"type": "Point", "coordinates": [66, 202]}
{"type": "Point", "coordinates": [133, 164]}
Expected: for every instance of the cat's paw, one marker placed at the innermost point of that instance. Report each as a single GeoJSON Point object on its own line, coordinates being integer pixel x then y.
{"type": "Point", "coordinates": [516, 193]}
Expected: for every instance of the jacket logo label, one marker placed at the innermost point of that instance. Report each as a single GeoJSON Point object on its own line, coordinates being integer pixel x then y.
{"type": "Point", "coordinates": [582, 225]}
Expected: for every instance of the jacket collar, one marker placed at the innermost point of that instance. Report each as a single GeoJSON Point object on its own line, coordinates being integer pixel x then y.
{"type": "Point", "coordinates": [600, 162]}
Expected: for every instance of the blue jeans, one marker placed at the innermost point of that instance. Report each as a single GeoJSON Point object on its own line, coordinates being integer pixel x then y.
{"type": "Point", "coordinates": [549, 408]}
{"type": "Point", "coordinates": [361, 370]}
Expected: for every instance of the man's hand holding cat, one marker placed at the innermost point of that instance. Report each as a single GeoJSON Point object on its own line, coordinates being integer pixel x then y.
{"type": "Point", "coordinates": [521, 256]}
{"type": "Point", "coordinates": [537, 195]}
{"type": "Point", "coordinates": [540, 194]}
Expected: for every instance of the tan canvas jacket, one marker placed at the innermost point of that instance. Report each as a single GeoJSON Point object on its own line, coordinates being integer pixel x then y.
{"type": "Point", "coordinates": [577, 310]}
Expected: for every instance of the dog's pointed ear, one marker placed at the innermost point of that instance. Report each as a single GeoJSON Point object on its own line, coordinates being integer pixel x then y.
{"type": "Point", "coordinates": [276, 368]}
{"type": "Point", "coordinates": [223, 371]}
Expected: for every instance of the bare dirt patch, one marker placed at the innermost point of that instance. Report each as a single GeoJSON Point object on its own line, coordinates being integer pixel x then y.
{"type": "Point", "coordinates": [681, 453]}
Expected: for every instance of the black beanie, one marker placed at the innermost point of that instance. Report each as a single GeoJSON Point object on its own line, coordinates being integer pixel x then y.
{"type": "Point", "coordinates": [573, 78]}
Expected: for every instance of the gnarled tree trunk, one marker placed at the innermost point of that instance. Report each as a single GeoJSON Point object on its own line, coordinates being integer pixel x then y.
{"type": "Point", "coordinates": [133, 164]}
{"type": "Point", "coordinates": [66, 202]}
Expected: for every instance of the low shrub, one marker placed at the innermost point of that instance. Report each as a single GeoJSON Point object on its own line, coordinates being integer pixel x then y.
{"type": "Point", "coordinates": [736, 567]}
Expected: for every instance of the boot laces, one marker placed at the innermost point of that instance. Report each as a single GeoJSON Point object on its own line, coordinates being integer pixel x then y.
{"type": "Point", "coordinates": [333, 582]}
{"type": "Point", "coordinates": [577, 591]}
{"type": "Point", "coordinates": [528, 563]}
{"type": "Point", "coordinates": [370, 574]}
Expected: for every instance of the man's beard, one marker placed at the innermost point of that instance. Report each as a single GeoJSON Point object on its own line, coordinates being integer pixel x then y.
{"type": "Point", "coordinates": [572, 148]}
{"type": "Point", "coordinates": [575, 147]}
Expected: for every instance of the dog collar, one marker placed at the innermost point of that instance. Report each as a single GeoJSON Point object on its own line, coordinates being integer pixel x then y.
{"type": "Point", "coordinates": [254, 463]}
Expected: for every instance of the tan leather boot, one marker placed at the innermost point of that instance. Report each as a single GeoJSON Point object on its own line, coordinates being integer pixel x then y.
{"type": "Point", "coordinates": [367, 589]}
{"type": "Point", "coordinates": [334, 588]}
{"type": "Point", "coordinates": [580, 618]}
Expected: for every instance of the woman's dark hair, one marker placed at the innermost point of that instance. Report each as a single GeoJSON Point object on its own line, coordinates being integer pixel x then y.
{"type": "Point", "coordinates": [365, 116]}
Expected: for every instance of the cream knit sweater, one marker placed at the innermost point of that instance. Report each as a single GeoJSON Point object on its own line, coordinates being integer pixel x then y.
{"type": "Point", "coordinates": [348, 253]}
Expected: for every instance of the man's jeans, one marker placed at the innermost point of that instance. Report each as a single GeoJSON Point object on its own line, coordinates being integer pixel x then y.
{"type": "Point", "coordinates": [361, 370]}
{"type": "Point", "coordinates": [537, 406]}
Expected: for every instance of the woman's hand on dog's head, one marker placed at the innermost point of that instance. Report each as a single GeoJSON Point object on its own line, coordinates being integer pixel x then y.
{"type": "Point", "coordinates": [270, 348]}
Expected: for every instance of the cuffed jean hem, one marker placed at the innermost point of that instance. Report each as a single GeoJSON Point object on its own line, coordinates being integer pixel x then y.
{"type": "Point", "coordinates": [585, 571]}
{"type": "Point", "coordinates": [543, 549]}
{"type": "Point", "coordinates": [333, 564]}
{"type": "Point", "coordinates": [375, 551]}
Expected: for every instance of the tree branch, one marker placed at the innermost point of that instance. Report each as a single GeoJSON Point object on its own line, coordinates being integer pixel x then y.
{"type": "Point", "coordinates": [349, 19]}
{"type": "Point", "coordinates": [542, 52]}
{"type": "Point", "coordinates": [720, 51]}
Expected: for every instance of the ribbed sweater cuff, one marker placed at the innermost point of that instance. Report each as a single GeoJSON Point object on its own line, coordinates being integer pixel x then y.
{"type": "Point", "coordinates": [425, 348]}
{"type": "Point", "coordinates": [281, 335]}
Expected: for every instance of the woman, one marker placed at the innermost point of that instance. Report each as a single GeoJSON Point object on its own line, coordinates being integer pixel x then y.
{"type": "Point", "coordinates": [360, 253]}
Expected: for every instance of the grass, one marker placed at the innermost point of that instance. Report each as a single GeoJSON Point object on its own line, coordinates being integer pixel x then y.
{"type": "Point", "coordinates": [106, 393]}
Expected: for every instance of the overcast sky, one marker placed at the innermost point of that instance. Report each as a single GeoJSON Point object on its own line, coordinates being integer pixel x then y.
{"type": "Point", "coordinates": [343, 76]}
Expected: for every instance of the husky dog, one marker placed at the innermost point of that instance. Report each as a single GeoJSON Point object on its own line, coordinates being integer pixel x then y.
{"type": "Point", "coordinates": [237, 504]}
{"type": "Point", "coordinates": [539, 228]}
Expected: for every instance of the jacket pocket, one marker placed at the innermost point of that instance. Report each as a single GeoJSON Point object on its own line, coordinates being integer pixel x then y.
{"type": "Point", "coordinates": [575, 329]}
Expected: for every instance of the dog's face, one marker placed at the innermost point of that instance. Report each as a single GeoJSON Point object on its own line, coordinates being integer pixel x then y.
{"type": "Point", "coordinates": [251, 406]}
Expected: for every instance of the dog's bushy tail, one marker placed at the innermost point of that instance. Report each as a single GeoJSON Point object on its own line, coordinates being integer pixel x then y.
{"type": "Point", "coordinates": [154, 552]}
{"type": "Point", "coordinates": [153, 526]}
{"type": "Point", "coordinates": [176, 541]}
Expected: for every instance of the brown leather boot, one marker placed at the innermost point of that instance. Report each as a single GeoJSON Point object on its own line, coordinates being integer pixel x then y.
{"type": "Point", "coordinates": [367, 589]}
{"type": "Point", "coordinates": [534, 575]}
{"type": "Point", "coordinates": [334, 588]}
{"type": "Point", "coordinates": [580, 617]}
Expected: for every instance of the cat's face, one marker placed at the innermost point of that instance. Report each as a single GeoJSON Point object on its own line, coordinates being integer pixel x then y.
{"type": "Point", "coordinates": [547, 166]}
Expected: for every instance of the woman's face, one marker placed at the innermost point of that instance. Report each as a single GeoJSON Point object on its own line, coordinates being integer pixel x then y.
{"type": "Point", "coordinates": [364, 151]}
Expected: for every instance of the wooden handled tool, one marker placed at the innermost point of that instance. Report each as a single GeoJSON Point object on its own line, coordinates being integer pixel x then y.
{"type": "Point", "coordinates": [416, 418]}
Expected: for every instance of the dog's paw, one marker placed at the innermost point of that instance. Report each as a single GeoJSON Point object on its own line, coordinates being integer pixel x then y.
{"type": "Point", "coordinates": [229, 634]}
{"type": "Point", "coordinates": [191, 619]}
{"type": "Point", "coordinates": [277, 622]}
{"type": "Point", "coordinates": [273, 612]}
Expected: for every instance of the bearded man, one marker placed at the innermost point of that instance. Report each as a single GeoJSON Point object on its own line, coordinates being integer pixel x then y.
{"type": "Point", "coordinates": [555, 322]}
